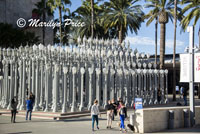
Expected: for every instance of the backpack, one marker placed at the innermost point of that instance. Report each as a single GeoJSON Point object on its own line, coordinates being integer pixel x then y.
{"type": "Point", "coordinates": [125, 111]}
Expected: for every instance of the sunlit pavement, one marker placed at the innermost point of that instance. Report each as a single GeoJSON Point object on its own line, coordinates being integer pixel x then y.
{"type": "Point", "coordinates": [70, 126]}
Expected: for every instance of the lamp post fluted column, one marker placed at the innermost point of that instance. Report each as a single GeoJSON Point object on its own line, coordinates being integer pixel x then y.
{"type": "Point", "coordinates": [82, 88]}
{"type": "Point", "coordinates": [41, 83]}
{"type": "Point", "coordinates": [112, 80]}
{"type": "Point", "coordinates": [73, 108]}
{"type": "Point", "coordinates": [47, 69]}
{"type": "Point", "coordinates": [156, 86]}
{"type": "Point", "coordinates": [55, 88]}
{"type": "Point", "coordinates": [36, 106]}
{"type": "Point", "coordinates": [22, 107]}
{"type": "Point", "coordinates": [105, 95]}
{"type": "Point", "coordinates": [98, 92]}
{"type": "Point", "coordinates": [64, 109]}
{"type": "Point", "coordinates": [91, 70]}
{"type": "Point", "coordinates": [11, 84]}
{"type": "Point", "coordinates": [166, 86]}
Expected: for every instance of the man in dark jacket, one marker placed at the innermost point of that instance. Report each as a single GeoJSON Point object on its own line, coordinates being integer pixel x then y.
{"type": "Point", "coordinates": [13, 109]}
{"type": "Point", "coordinates": [110, 109]}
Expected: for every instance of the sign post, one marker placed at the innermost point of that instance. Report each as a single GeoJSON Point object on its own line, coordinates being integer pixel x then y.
{"type": "Point", "coordinates": [191, 83]}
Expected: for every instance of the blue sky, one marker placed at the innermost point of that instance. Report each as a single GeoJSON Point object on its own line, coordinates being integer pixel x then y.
{"type": "Point", "coordinates": [144, 40]}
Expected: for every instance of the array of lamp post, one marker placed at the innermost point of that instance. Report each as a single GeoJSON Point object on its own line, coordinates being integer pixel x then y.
{"type": "Point", "coordinates": [70, 78]}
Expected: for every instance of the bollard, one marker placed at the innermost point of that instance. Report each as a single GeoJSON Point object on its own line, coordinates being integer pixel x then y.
{"type": "Point", "coordinates": [171, 119]}
{"type": "Point", "coordinates": [186, 117]}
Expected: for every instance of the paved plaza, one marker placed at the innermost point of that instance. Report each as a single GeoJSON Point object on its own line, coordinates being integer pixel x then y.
{"type": "Point", "coordinates": [70, 126]}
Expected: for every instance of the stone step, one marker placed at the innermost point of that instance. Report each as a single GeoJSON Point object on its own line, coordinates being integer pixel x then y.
{"type": "Point", "coordinates": [63, 117]}
{"type": "Point", "coordinates": [48, 115]}
{"type": "Point", "coordinates": [72, 113]}
{"type": "Point", "coordinates": [33, 113]}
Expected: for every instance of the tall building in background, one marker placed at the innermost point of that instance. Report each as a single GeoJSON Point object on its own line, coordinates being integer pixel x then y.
{"type": "Point", "coordinates": [12, 10]}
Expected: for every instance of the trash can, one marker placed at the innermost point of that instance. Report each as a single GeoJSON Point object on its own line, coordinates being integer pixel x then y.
{"type": "Point", "coordinates": [186, 118]}
{"type": "Point", "coordinates": [171, 119]}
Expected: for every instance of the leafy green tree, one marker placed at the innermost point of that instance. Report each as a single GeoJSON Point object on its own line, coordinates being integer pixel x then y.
{"type": "Point", "coordinates": [13, 37]}
{"type": "Point", "coordinates": [60, 5]}
{"type": "Point", "coordinates": [123, 15]}
{"type": "Point", "coordinates": [41, 10]}
{"type": "Point", "coordinates": [83, 14]}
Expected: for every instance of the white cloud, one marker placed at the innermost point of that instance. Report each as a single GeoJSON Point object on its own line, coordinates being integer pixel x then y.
{"type": "Point", "coordinates": [139, 40]}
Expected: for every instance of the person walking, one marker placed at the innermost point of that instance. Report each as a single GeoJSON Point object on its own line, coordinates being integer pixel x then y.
{"type": "Point", "coordinates": [94, 113]}
{"type": "Point", "coordinates": [122, 114]}
{"type": "Point", "coordinates": [114, 110]}
{"type": "Point", "coordinates": [13, 109]}
{"type": "Point", "coordinates": [109, 109]}
{"type": "Point", "coordinates": [185, 95]}
{"type": "Point", "coordinates": [29, 108]}
{"type": "Point", "coordinates": [181, 92]}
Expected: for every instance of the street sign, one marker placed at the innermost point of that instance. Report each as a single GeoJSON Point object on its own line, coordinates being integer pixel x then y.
{"type": "Point", "coordinates": [138, 103]}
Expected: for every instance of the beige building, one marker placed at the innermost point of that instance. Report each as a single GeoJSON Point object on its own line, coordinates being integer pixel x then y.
{"type": "Point", "coordinates": [12, 10]}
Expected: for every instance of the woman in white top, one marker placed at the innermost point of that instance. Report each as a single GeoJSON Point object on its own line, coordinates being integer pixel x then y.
{"type": "Point", "coordinates": [94, 113]}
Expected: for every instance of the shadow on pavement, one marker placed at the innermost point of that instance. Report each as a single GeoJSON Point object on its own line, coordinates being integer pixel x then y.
{"type": "Point", "coordinates": [78, 120]}
{"type": "Point", "coordinates": [20, 132]}
{"type": "Point", "coordinates": [195, 129]}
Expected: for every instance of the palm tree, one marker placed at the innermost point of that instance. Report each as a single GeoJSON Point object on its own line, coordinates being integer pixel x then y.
{"type": "Point", "coordinates": [92, 18]}
{"type": "Point", "coordinates": [193, 6]}
{"type": "Point", "coordinates": [60, 4]}
{"type": "Point", "coordinates": [41, 9]}
{"type": "Point", "coordinates": [83, 14]}
{"type": "Point", "coordinates": [164, 9]}
{"type": "Point", "coordinates": [153, 15]}
{"type": "Point", "coordinates": [123, 15]}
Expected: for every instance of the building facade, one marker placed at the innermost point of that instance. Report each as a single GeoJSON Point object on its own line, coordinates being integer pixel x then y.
{"type": "Point", "coordinates": [12, 10]}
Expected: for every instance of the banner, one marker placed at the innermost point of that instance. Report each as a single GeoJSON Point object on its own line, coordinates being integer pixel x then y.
{"type": "Point", "coordinates": [138, 103]}
{"type": "Point", "coordinates": [184, 67]}
{"type": "Point", "coordinates": [197, 67]}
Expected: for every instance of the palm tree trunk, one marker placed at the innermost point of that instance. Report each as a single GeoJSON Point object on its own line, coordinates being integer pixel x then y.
{"type": "Point", "coordinates": [60, 28]}
{"type": "Point", "coordinates": [92, 18]}
{"type": "Point", "coordinates": [156, 36]}
{"type": "Point", "coordinates": [174, 52]}
{"type": "Point", "coordinates": [162, 45]}
{"type": "Point", "coordinates": [120, 34]}
{"type": "Point", "coordinates": [199, 84]}
{"type": "Point", "coordinates": [43, 28]}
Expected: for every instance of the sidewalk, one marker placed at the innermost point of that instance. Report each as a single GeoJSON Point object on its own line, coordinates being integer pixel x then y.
{"type": "Point", "coordinates": [80, 125]}
{"type": "Point", "coordinates": [70, 126]}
